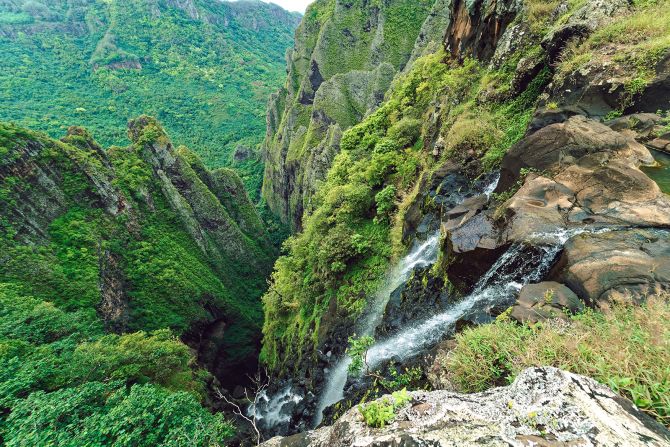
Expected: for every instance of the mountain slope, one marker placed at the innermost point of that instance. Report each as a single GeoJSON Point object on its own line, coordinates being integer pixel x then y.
{"type": "Point", "coordinates": [143, 234]}
{"type": "Point", "coordinates": [346, 54]}
{"type": "Point", "coordinates": [203, 67]}
{"type": "Point", "coordinates": [517, 146]}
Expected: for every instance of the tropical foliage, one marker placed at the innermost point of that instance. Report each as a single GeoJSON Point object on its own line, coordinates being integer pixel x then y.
{"type": "Point", "coordinates": [205, 68]}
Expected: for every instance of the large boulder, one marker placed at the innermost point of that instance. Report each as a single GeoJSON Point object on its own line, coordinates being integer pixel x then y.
{"type": "Point", "coordinates": [589, 176]}
{"type": "Point", "coordinates": [561, 144]}
{"type": "Point", "coordinates": [544, 301]}
{"type": "Point", "coordinates": [543, 407]}
{"type": "Point", "coordinates": [605, 266]}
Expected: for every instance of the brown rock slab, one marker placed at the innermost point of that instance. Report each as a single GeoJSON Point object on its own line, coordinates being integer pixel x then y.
{"type": "Point", "coordinates": [544, 301]}
{"type": "Point", "coordinates": [631, 263]}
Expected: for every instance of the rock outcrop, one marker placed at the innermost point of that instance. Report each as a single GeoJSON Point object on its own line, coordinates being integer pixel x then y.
{"type": "Point", "coordinates": [543, 407]}
{"type": "Point", "coordinates": [619, 264]}
{"type": "Point", "coordinates": [545, 300]}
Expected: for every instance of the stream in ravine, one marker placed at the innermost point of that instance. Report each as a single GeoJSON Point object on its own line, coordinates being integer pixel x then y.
{"type": "Point", "coordinates": [518, 266]}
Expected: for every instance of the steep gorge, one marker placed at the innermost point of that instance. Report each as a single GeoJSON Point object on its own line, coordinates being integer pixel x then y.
{"type": "Point", "coordinates": [551, 99]}
{"type": "Point", "coordinates": [144, 234]}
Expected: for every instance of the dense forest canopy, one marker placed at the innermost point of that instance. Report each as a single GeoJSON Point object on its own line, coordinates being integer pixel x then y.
{"type": "Point", "coordinates": [203, 67]}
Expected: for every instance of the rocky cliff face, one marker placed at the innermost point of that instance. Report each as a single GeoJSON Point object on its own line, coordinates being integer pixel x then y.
{"type": "Point", "coordinates": [345, 56]}
{"type": "Point", "coordinates": [555, 102]}
{"type": "Point", "coordinates": [145, 234]}
{"type": "Point", "coordinates": [543, 407]}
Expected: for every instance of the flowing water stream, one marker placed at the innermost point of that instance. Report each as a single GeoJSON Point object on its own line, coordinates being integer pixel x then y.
{"type": "Point", "coordinates": [423, 255]}
{"type": "Point", "coordinates": [499, 286]}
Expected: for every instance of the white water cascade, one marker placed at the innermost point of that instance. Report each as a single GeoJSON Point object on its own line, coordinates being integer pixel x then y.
{"type": "Point", "coordinates": [499, 285]}
{"type": "Point", "coordinates": [422, 255]}
{"type": "Point", "coordinates": [270, 411]}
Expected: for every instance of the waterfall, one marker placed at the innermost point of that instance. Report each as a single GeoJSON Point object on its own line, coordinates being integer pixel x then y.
{"type": "Point", "coordinates": [270, 411]}
{"type": "Point", "coordinates": [499, 285]}
{"type": "Point", "coordinates": [422, 255]}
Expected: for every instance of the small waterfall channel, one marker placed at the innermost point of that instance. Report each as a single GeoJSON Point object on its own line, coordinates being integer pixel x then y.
{"type": "Point", "coordinates": [422, 255]}
{"type": "Point", "coordinates": [499, 286]}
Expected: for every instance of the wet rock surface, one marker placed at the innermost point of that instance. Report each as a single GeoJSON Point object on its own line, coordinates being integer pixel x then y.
{"type": "Point", "coordinates": [423, 295]}
{"type": "Point", "coordinates": [544, 406]}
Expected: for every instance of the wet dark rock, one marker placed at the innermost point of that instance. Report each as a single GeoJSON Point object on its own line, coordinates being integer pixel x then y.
{"type": "Point", "coordinates": [423, 295]}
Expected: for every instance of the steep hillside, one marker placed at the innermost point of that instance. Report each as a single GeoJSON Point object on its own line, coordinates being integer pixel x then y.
{"type": "Point", "coordinates": [144, 237]}
{"type": "Point", "coordinates": [345, 55]}
{"type": "Point", "coordinates": [511, 156]}
{"type": "Point", "coordinates": [203, 67]}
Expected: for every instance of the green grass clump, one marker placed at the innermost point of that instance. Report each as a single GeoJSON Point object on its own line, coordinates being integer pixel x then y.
{"type": "Point", "coordinates": [626, 348]}
{"type": "Point", "coordinates": [380, 413]}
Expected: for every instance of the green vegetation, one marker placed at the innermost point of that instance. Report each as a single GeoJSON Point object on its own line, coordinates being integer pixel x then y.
{"type": "Point", "coordinates": [639, 39]}
{"type": "Point", "coordinates": [369, 186]}
{"type": "Point", "coordinates": [358, 348]}
{"type": "Point", "coordinates": [357, 52]}
{"type": "Point", "coordinates": [380, 413]}
{"type": "Point", "coordinates": [64, 382]}
{"type": "Point", "coordinates": [106, 258]}
{"type": "Point", "coordinates": [626, 348]}
{"type": "Point", "coordinates": [205, 73]}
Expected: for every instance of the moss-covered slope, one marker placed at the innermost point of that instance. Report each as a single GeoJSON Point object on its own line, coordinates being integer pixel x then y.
{"type": "Point", "coordinates": [144, 234]}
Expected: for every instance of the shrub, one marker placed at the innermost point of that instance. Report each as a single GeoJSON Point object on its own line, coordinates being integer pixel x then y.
{"type": "Point", "coordinates": [358, 348]}
{"type": "Point", "coordinates": [381, 412]}
{"type": "Point", "coordinates": [385, 200]}
{"type": "Point", "coordinates": [473, 133]}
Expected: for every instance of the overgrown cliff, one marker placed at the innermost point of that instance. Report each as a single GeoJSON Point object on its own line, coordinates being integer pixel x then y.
{"type": "Point", "coordinates": [346, 53]}
{"type": "Point", "coordinates": [562, 101]}
{"type": "Point", "coordinates": [144, 237]}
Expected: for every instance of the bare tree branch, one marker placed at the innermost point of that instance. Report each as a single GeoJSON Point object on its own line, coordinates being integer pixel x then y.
{"type": "Point", "coordinates": [259, 385]}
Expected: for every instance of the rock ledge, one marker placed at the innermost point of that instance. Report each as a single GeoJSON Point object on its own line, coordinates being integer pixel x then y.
{"type": "Point", "coordinates": [543, 407]}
